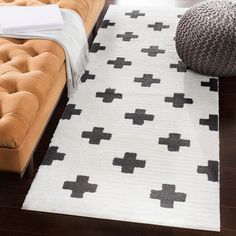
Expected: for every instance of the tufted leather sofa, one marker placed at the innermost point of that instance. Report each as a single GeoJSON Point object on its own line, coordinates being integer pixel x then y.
{"type": "Point", "coordinates": [32, 77]}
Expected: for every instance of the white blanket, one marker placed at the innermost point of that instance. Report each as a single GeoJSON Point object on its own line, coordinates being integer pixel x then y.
{"type": "Point", "coordinates": [74, 41]}
{"type": "Point", "coordinates": [16, 19]}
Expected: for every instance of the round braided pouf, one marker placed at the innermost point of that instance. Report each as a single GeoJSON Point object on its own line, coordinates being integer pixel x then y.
{"type": "Point", "coordinates": [206, 38]}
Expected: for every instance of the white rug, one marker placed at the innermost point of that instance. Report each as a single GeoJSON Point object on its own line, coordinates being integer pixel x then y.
{"type": "Point", "coordinates": [139, 142]}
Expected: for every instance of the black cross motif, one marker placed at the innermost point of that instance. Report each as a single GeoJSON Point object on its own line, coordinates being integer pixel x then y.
{"type": "Point", "coordinates": [179, 100]}
{"type": "Point", "coordinates": [127, 36]}
{"type": "Point", "coordinates": [212, 122]}
{"type": "Point", "coordinates": [135, 14]}
{"type": "Point", "coordinates": [168, 196]}
{"type": "Point", "coordinates": [129, 163]}
{"type": "Point", "coordinates": [96, 135]}
{"type": "Point", "coordinates": [152, 51]}
{"type": "Point", "coordinates": [52, 155]}
{"type": "Point", "coordinates": [109, 95]}
{"type": "Point", "coordinates": [211, 170]}
{"type": "Point", "coordinates": [158, 26]}
{"type": "Point", "coordinates": [147, 80]}
{"type": "Point", "coordinates": [119, 62]}
{"type": "Point", "coordinates": [87, 76]}
{"type": "Point", "coordinates": [96, 47]}
{"type": "Point", "coordinates": [181, 66]}
{"type": "Point", "coordinates": [69, 111]}
{"type": "Point", "coordinates": [174, 142]}
{"type": "Point", "coordinates": [212, 84]}
{"type": "Point", "coordinates": [107, 23]}
{"type": "Point", "coordinates": [139, 117]}
{"type": "Point", "coordinates": [80, 186]}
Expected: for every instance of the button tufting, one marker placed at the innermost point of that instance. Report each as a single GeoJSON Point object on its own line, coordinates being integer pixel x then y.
{"type": "Point", "coordinates": [12, 91]}
{"type": "Point", "coordinates": [32, 52]}
{"type": "Point", "coordinates": [4, 57]}
{"type": "Point", "coordinates": [8, 85]}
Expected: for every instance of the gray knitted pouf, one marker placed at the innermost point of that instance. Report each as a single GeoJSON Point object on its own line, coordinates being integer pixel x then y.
{"type": "Point", "coordinates": [206, 38]}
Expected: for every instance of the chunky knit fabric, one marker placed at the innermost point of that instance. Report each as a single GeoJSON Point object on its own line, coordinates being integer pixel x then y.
{"type": "Point", "coordinates": [206, 38]}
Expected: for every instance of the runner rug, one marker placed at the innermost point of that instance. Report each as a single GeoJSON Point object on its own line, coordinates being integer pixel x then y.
{"type": "Point", "coordinates": [139, 141]}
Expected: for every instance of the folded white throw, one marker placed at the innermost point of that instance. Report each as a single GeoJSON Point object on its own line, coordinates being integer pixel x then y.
{"type": "Point", "coordinates": [15, 19]}
{"type": "Point", "coordinates": [74, 41]}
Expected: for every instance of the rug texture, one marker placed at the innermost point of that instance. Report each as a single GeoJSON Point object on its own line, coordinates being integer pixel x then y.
{"type": "Point", "coordinates": [139, 141]}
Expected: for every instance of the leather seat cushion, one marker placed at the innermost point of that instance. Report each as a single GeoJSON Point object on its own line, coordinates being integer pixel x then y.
{"type": "Point", "coordinates": [28, 70]}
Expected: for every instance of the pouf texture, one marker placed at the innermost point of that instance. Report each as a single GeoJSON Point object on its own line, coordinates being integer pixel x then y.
{"type": "Point", "coordinates": [206, 38]}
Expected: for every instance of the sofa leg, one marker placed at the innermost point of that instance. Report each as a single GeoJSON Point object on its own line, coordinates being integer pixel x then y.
{"type": "Point", "coordinates": [93, 35]}
{"type": "Point", "coordinates": [95, 29]}
{"type": "Point", "coordinates": [30, 172]}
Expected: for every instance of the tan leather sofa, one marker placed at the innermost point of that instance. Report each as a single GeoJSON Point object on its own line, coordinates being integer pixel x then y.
{"type": "Point", "coordinates": [32, 77]}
